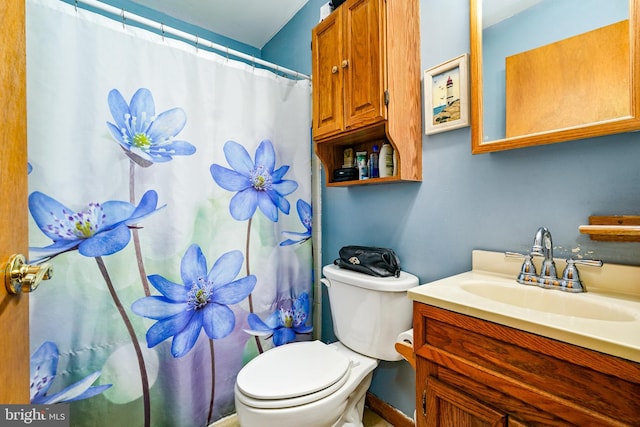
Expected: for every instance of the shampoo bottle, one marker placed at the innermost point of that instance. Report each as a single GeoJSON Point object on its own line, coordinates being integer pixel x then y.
{"type": "Point", "coordinates": [386, 160]}
{"type": "Point", "coordinates": [373, 163]}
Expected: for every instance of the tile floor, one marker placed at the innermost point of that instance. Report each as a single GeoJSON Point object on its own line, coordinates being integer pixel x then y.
{"type": "Point", "coordinates": [371, 419]}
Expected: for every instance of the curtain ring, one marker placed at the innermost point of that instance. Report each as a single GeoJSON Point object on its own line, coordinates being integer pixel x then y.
{"type": "Point", "coordinates": [123, 19]}
{"type": "Point", "coordinates": [162, 30]}
{"type": "Point", "coordinates": [196, 43]}
{"type": "Point", "coordinates": [76, 6]}
{"type": "Point", "coordinates": [253, 62]}
{"type": "Point", "coordinates": [227, 53]}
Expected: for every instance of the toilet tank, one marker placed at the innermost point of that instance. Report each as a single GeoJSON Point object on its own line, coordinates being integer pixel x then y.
{"type": "Point", "coordinates": [369, 312]}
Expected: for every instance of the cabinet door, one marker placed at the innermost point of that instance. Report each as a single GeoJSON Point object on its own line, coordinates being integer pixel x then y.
{"type": "Point", "coordinates": [447, 406]}
{"type": "Point", "coordinates": [326, 42]}
{"type": "Point", "coordinates": [516, 423]}
{"type": "Point", "coordinates": [363, 63]}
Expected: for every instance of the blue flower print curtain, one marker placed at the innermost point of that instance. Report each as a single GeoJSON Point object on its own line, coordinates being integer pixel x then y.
{"type": "Point", "coordinates": [170, 187]}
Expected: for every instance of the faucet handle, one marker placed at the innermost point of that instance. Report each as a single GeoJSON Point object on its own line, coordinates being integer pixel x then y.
{"type": "Point", "coordinates": [528, 275]}
{"type": "Point", "coordinates": [514, 255]}
{"type": "Point", "coordinates": [591, 262]}
{"type": "Point", "coordinates": [571, 279]}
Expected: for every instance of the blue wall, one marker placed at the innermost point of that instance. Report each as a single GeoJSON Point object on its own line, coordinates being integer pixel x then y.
{"type": "Point", "coordinates": [490, 201]}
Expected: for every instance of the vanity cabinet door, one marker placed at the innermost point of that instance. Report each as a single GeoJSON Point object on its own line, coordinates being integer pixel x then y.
{"type": "Point", "coordinates": [447, 406]}
{"type": "Point", "coordinates": [471, 372]}
{"type": "Point", "coordinates": [516, 423]}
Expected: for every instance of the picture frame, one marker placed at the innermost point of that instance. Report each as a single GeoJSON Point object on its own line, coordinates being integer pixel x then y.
{"type": "Point", "coordinates": [446, 95]}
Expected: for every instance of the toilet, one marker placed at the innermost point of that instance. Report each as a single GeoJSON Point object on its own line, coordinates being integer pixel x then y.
{"type": "Point", "coordinates": [314, 384]}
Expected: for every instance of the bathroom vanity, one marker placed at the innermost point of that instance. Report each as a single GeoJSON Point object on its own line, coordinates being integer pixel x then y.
{"type": "Point", "coordinates": [485, 355]}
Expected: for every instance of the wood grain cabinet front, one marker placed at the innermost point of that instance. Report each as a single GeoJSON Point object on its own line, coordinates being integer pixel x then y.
{"type": "Point", "coordinates": [471, 372]}
{"type": "Point", "coordinates": [366, 85]}
{"type": "Point", "coordinates": [347, 69]}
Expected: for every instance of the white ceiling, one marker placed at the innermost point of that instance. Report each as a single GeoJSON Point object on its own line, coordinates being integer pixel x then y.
{"type": "Point", "coordinates": [253, 22]}
{"type": "Point", "coordinates": [494, 11]}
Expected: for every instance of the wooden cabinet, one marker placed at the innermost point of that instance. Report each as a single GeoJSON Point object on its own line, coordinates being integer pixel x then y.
{"type": "Point", "coordinates": [447, 406]}
{"type": "Point", "coordinates": [347, 73]}
{"type": "Point", "coordinates": [366, 85]}
{"type": "Point", "coordinates": [471, 372]}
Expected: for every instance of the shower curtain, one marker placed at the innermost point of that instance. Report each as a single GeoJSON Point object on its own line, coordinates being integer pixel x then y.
{"type": "Point", "coordinates": [171, 189]}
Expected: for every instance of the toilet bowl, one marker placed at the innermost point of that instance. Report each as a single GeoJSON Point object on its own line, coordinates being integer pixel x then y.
{"type": "Point", "coordinates": [314, 384]}
{"type": "Point", "coordinates": [294, 391]}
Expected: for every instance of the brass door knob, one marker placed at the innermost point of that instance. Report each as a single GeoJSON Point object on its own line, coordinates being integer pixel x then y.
{"type": "Point", "coordinates": [22, 277]}
{"type": "Point", "coordinates": [345, 63]}
{"type": "Point", "coordinates": [334, 69]}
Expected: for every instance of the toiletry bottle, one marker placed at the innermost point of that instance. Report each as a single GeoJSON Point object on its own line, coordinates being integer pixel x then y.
{"type": "Point", "coordinates": [373, 163]}
{"type": "Point", "coordinates": [386, 160]}
{"type": "Point", "coordinates": [361, 160]}
{"type": "Point", "coordinates": [348, 158]}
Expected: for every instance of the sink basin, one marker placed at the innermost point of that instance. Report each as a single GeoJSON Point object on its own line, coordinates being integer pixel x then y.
{"type": "Point", "coordinates": [605, 319]}
{"type": "Point", "coordinates": [546, 301]}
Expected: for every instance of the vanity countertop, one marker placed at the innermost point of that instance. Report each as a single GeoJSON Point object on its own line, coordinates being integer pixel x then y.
{"type": "Point", "coordinates": [606, 318]}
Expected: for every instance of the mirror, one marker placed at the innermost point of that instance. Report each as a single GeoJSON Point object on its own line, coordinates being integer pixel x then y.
{"type": "Point", "coordinates": [505, 76]}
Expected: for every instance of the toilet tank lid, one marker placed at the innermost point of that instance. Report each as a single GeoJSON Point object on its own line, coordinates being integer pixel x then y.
{"type": "Point", "coordinates": [388, 284]}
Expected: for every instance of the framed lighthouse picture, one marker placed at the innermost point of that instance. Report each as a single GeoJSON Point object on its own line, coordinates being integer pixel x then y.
{"type": "Point", "coordinates": [446, 95]}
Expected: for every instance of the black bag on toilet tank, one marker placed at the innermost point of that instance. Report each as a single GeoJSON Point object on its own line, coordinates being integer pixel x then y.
{"type": "Point", "coordinates": [380, 262]}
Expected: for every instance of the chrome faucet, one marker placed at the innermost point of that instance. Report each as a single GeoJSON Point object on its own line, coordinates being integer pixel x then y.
{"type": "Point", "coordinates": [543, 246]}
{"type": "Point", "coordinates": [548, 278]}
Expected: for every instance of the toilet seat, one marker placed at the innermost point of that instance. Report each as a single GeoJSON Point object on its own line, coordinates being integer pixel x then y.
{"type": "Point", "coordinates": [292, 375]}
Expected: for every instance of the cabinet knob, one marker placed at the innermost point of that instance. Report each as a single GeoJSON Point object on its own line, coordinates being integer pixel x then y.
{"type": "Point", "coordinates": [334, 69]}
{"type": "Point", "coordinates": [345, 63]}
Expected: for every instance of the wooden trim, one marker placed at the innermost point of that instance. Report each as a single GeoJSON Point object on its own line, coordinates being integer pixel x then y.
{"type": "Point", "coordinates": [14, 309]}
{"type": "Point", "coordinates": [608, 127]}
{"type": "Point", "coordinates": [617, 228]}
{"type": "Point", "coordinates": [388, 412]}
{"type": "Point", "coordinates": [406, 350]}
{"type": "Point", "coordinates": [404, 111]}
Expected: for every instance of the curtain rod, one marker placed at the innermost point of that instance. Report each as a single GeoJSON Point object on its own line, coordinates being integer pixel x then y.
{"type": "Point", "coordinates": [189, 37]}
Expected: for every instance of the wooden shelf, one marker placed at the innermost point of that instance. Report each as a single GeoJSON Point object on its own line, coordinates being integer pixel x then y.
{"type": "Point", "coordinates": [618, 228]}
{"type": "Point", "coordinates": [369, 181]}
